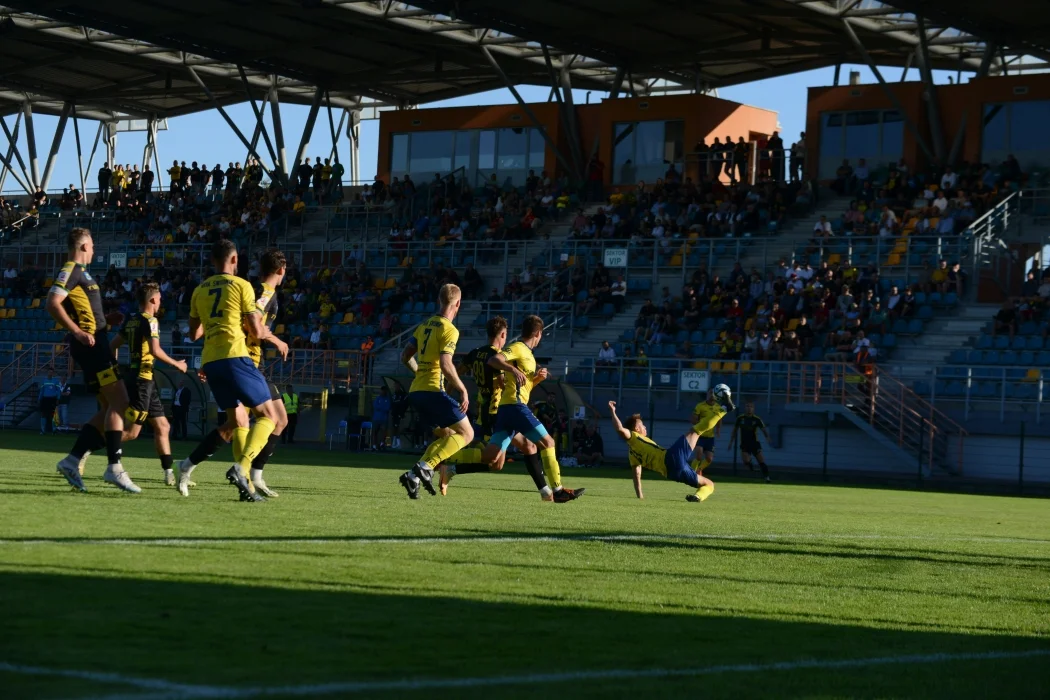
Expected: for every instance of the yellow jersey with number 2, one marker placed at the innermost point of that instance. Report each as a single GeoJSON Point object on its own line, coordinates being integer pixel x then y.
{"type": "Point", "coordinates": [433, 338]}
{"type": "Point", "coordinates": [221, 302]}
{"type": "Point", "coordinates": [519, 355]}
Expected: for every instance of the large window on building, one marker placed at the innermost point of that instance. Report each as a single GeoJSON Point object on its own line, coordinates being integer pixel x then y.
{"type": "Point", "coordinates": [507, 153]}
{"type": "Point", "coordinates": [875, 135]}
{"type": "Point", "coordinates": [1017, 128]}
{"type": "Point", "coordinates": [645, 150]}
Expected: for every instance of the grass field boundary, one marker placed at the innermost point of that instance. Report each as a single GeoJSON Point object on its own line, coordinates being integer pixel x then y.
{"type": "Point", "coordinates": [499, 539]}
{"type": "Point", "coordinates": [164, 690]}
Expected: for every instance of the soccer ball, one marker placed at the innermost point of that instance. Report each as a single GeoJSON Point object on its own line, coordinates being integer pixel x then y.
{"type": "Point", "coordinates": [721, 392]}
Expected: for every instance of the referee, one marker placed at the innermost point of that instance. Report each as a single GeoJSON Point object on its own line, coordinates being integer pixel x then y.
{"type": "Point", "coordinates": [747, 425]}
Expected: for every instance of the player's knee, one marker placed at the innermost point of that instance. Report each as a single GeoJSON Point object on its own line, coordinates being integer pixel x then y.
{"type": "Point", "coordinates": [545, 443]}
{"type": "Point", "coordinates": [466, 431]}
{"type": "Point", "coordinates": [161, 427]}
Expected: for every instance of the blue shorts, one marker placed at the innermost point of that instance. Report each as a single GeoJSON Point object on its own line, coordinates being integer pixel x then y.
{"type": "Point", "coordinates": [707, 444]}
{"type": "Point", "coordinates": [234, 380]}
{"type": "Point", "coordinates": [515, 418]}
{"type": "Point", "coordinates": [677, 459]}
{"type": "Point", "coordinates": [436, 407]}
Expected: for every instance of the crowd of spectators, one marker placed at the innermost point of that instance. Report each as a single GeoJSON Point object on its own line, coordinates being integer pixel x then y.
{"type": "Point", "coordinates": [1032, 306]}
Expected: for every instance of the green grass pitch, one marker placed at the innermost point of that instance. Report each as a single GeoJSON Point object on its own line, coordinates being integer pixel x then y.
{"type": "Point", "coordinates": [774, 590]}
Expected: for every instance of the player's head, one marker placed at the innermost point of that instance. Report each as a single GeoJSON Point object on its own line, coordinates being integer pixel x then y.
{"type": "Point", "coordinates": [532, 329]}
{"type": "Point", "coordinates": [148, 297]}
{"type": "Point", "coordinates": [80, 244]}
{"type": "Point", "coordinates": [224, 254]}
{"type": "Point", "coordinates": [635, 424]}
{"type": "Point", "coordinates": [449, 297]}
{"type": "Point", "coordinates": [497, 331]}
{"type": "Point", "coordinates": [273, 263]}
{"type": "Point", "coordinates": [749, 406]}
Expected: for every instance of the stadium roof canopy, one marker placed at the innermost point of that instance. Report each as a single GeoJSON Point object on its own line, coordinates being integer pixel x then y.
{"type": "Point", "coordinates": [118, 58]}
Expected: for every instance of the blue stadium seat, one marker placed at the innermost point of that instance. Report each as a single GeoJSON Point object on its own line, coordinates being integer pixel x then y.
{"type": "Point", "coordinates": [958, 357]}
{"type": "Point", "coordinates": [1034, 343]}
{"type": "Point", "coordinates": [915, 326]}
{"type": "Point", "coordinates": [925, 312]}
{"type": "Point", "coordinates": [1008, 357]}
{"type": "Point", "coordinates": [951, 300]}
{"type": "Point", "coordinates": [582, 323]}
{"type": "Point", "coordinates": [1001, 342]}
{"type": "Point", "coordinates": [1018, 343]}
{"type": "Point", "coordinates": [984, 342]}
{"type": "Point", "coordinates": [889, 341]}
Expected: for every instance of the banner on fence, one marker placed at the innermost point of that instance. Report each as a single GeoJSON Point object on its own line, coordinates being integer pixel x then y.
{"type": "Point", "coordinates": [616, 257]}
{"type": "Point", "coordinates": [696, 380]}
{"type": "Point", "coordinates": [118, 260]}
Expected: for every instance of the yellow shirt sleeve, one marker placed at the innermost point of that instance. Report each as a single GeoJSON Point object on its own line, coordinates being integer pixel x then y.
{"type": "Point", "coordinates": [193, 303]}
{"type": "Point", "coordinates": [510, 354]}
{"type": "Point", "coordinates": [247, 300]}
{"type": "Point", "coordinates": [450, 337]}
{"type": "Point", "coordinates": [62, 280]}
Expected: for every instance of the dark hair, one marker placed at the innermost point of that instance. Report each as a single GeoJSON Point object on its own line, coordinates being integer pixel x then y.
{"type": "Point", "coordinates": [532, 325]}
{"type": "Point", "coordinates": [76, 238]}
{"type": "Point", "coordinates": [146, 292]}
{"type": "Point", "coordinates": [271, 261]}
{"type": "Point", "coordinates": [633, 421]}
{"type": "Point", "coordinates": [495, 325]}
{"type": "Point", "coordinates": [221, 251]}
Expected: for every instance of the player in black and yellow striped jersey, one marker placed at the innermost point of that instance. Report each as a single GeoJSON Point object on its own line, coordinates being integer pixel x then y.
{"type": "Point", "coordinates": [142, 334]}
{"type": "Point", "coordinates": [490, 389]}
{"type": "Point", "coordinates": [75, 302]}
{"type": "Point", "coordinates": [747, 426]}
{"type": "Point", "coordinates": [672, 463]}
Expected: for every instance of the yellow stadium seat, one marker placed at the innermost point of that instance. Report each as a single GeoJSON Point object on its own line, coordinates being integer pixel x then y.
{"type": "Point", "coordinates": [11, 313]}
{"type": "Point", "coordinates": [716, 367]}
{"type": "Point", "coordinates": [792, 324]}
{"type": "Point", "coordinates": [271, 354]}
{"type": "Point", "coordinates": [745, 366]}
{"type": "Point", "coordinates": [748, 324]}
{"type": "Point", "coordinates": [893, 259]}
{"type": "Point", "coordinates": [700, 364]}
{"type": "Point", "coordinates": [728, 366]}
{"type": "Point", "coordinates": [391, 282]}
{"type": "Point", "coordinates": [48, 282]}
{"type": "Point", "coordinates": [279, 329]}
{"type": "Point", "coordinates": [1033, 375]}
{"type": "Point", "coordinates": [3, 303]}
{"type": "Point", "coordinates": [348, 317]}
{"type": "Point", "coordinates": [35, 304]}
{"type": "Point", "coordinates": [834, 259]}
{"type": "Point", "coordinates": [406, 261]}
{"type": "Point", "coordinates": [676, 260]}
{"type": "Point", "coordinates": [18, 346]}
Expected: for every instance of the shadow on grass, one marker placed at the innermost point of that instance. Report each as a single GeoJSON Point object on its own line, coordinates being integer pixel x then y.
{"type": "Point", "coordinates": [226, 633]}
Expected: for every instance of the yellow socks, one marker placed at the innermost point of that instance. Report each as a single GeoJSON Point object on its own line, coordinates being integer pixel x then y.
{"type": "Point", "coordinates": [551, 468]}
{"type": "Point", "coordinates": [257, 438]}
{"type": "Point", "coordinates": [443, 448]}
{"type": "Point", "coordinates": [240, 439]}
{"type": "Point", "coordinates": [704, 491]}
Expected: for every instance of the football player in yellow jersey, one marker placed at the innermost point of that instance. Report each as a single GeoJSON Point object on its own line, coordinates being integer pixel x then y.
{"type": "Point", "coordinates": [434, 343]}
{"type": "Point", "coordinates": [520, 375]}
{"type": "Point", "coordinates": [273, 266]}
{"type": "Point", "coordinates": [671, 463]}
{"type": "Point", "coordinates": [141, 333]}
{"type": "Point", "coordinates": [220, 308]}
{"type": "Point", "coordinates": [709, 412]}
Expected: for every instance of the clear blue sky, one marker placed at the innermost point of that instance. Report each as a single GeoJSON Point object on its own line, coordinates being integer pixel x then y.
{"type": "Point", "coordinates": [206, 138]}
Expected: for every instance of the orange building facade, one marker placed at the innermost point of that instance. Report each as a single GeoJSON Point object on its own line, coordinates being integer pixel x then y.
{"type": "Point", "coordinates": [983, 120]}
{"type": "Point", "coordinates": [635, 138]}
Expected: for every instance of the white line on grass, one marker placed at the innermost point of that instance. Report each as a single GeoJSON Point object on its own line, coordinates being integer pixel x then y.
{"type": "Point", "coordinates": [499, 539]}
{"type": "Point", "coordinates": [175, 691]}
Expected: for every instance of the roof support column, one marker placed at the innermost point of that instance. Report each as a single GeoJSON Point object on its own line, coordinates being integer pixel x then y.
{"type": "Point", "coordinates": [355, 146]}
{"type": "Point", "coordinates": [335, 132]}
{"type": "Point", "coordinates": [232, 124]}
{"type": "Point", "coordinates": [562, 114]}
{"type": "Point", "coordinates": [907, 66]}
{"type": "Point", "coordinates": [525, 107]}
{"type": "Point", "coordinates": [986, 59]}
{"type": "Point", "coordinates": [308, 129]}
{"type": "Point", "coordinates": [930, 92]}
{"type": "Point", "coordinates": [56, 144]}
{"type": "Point", "coordinates": [838, 70]}
{"type": "Point", "coordinates": [34, 163]}
{"type": "Point", "coordinates": [111, 143]}
{"type": "Point", "coordinates": [260, 129]}
{"type": "Point", "coordinates": [261, 125]}
{"type": "Point", "coordinates": [331, 126]}
{"type": "Point", "coordinates": [278, 132]}
{"type": "Point", "coordinates": [147, 150]}
{"type": "Point", "coordinates": [156, 158]}
{"type": "Point", "coordinates": [13, 150]}
{"type": "Point", "coordinates": [80, 152]}
{"type": "Point", "coordinates": [908, 122]}
{"type": "Point", "coordinates": [91, 158]}
{"type": "Point", "coordinates": [569, 106]}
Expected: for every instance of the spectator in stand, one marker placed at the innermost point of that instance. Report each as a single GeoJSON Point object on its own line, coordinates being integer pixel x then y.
{"type": "Point", "coordinates": [843, 178]}
{"type": "Point", "coordinates": [618, 293]}
{"type": "Point", "coordinates": [861, 174]}
{"type": "Point", "coordinates": [606, 355]}
{"type": "Point", "coordinates": [382, 405]}
{"type": "Point", "coordinates": [592, 450]}
{"type": "Point", "coordinates": [473, 284]}
{"type": "Point", "coordinates": [887, 222]}
{"type": "Point", "coordinates": [1005, 320]}
{"type": "Point", "coordinates": [877, 318]}
{"type": "Point", "coordinates": [949, 180]}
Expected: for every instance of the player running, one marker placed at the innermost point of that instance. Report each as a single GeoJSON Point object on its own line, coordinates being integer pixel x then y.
{"type": "Point", "coordinates": [141, 333]}
{"type": "Point", "coordinates": [490, 387]}
{"type": "Point", "coordinates": [220, 308]}
{"type": "Point", "coordinates": [75, 302]}
{"type": "Point", "coordinates": [520, 374]}
{"type": "Point", "coordinates": [272, 268]}
{"type": "Point", "coordinates": [434, 341]}
{"type": "Point", "coordinates": [748, 426]}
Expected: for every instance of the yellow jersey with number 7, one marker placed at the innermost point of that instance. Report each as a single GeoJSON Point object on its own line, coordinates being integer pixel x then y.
{"type": "Point", "coordinates": [433, 338]}
{"type": "Point", "coordinates": [221, 302]}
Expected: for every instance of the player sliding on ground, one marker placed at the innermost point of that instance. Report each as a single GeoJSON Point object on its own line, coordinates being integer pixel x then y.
{"type": "Point", "coordinates": [273, 266]}
{"type": "Point", "coordinates": [220, 308]}
{"type": "Point", "coordinates": [434, 342]}
{"type": "Point", "coordinates": [490, 387]}
{"type": "Point", "coordinates": [520, 375]}
{"type": "Point", "coordinates": [142, 334]}
{"type": "Point", "coordinates": [673, 463]}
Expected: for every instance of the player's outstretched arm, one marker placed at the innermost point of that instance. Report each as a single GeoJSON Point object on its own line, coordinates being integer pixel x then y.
{"type": "Point", "coordinates": [158, 352]}
{"type": "Point", "coordinates": [114, 345]}
{"type": "Point", "coordinates": [617, 425]}
{"type": "Point", "coordinates": [500, 363]}
{"type": "Point", "coordinates": [408, 357]}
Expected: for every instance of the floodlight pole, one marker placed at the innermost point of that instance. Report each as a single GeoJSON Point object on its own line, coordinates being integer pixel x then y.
{"type": "Point", "coordinates": [889, 91]}
{"type": "Point", "coordinates": [931, 90]}
{"type": "Point", "coordinates": [278, 130]}
{"type": "Point", "coordinates": [34, 163]}
{"type": "Point", "coordinates": [80, 152]}
{"type": "Point", "coordinates": [525, 107]}
{"type": "Point", "coordinates": [261, 127]}
{"type": "Point", "coordinates": [13, 140]}
{"type": "Point", "coordinates": [233, 125]}
{"type": "Point", "coordinates": [56, 144]}
{"type": "Point", "coordinates": [308, 129]}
